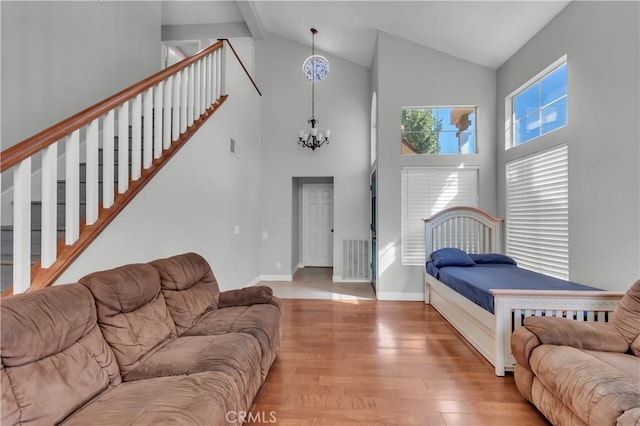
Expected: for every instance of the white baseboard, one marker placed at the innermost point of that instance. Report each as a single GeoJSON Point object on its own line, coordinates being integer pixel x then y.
{"type": "Point", "coordinates": [276, 277]}
{"type": "Point", "coordinates": [394, 295]}
{"type": "Point", "coordinates": [339, 279]}
{"type": "Point", "coordinates": [253, 282]}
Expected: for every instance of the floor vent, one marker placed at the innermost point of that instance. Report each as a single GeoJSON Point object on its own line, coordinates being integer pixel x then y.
{"type": "Point", "coordinates": [355, 261]}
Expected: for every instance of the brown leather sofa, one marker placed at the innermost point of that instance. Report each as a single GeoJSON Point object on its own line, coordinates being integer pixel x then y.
{"type": "Point", "coordinates": [580, 373]}
{"type": "Point", "coordinates": [142, 344]}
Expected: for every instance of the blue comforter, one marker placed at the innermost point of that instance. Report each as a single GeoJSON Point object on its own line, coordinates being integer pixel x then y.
{"type": "Point", "coordinates": [474, 282]}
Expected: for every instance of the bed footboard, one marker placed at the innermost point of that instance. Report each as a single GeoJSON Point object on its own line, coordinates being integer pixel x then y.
{"type": "Point", "coordinates": [513, 306]}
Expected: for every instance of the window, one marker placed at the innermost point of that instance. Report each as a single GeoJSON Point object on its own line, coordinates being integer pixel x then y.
{"type": "Point", "coordinates": [442, 130]}
{"type": "Point", "coordinates": [541, 106]}
{"type": "Point", "coordinates": [538, 212]}
{"type": "Point", "coordinates": [425, 192]}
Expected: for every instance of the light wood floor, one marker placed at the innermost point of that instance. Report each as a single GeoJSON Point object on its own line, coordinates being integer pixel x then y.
{"type": "Point", "coordinates": [347, 362]}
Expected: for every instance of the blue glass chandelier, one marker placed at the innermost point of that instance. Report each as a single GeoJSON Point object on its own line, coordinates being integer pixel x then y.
{"type": "Point", "coordinates": [315, 68]}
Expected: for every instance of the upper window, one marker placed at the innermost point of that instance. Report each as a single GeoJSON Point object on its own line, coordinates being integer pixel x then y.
{"type": "Point", "coordinates": [540, 107]}
{"type": "Point", "coordinates": [441, 130]}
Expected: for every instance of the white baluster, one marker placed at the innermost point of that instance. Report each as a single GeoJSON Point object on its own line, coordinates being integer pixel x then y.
{"type": "Point", "coordinates": [157, 121]}
{"type": "Point", "coordinates": [184, 88]}
{"type": "Point", "coordinates": [175, 109]}
{"type": "Point", "coordinates": [207, 88]}
{"type": "Point", "coordinates": [214, 77]}
{"type": "Point", "coordinates": [72, 188]}
{"type": "Point", "coordinates": [49, 235]}
{"type": "Point", "coordinates": [123, 148]}
{"type": "Point", "coordinates": [136, 137]}
{"type": "Point", "coordinates": [190, 96]}
{"type": "Point", "coordinates": [203, 85]}
{"type": "Point", "coordinates": [166, 127]}
{"type": "Point", "coordinates": [148, 128]}
{"type": "Point", "coordinates": [91, 173]}
{"type": "Point", "coordinates": [107, 160]}
{"type": "Point", "coordinates": [196, 90]}
{"type": "Point", "coordinates": [219, 81]}
{"type": "Point", "coordinates": [22, 226]}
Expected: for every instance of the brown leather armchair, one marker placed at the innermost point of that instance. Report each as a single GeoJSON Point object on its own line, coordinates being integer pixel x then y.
{"type": "Point", "coordinates": [582, 373]}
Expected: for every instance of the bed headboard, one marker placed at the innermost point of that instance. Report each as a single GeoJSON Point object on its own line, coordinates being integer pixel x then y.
{"type": "Point", "coordinates": [466, 228]}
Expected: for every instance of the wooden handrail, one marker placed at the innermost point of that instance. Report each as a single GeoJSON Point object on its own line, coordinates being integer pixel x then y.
{"type": "Point", "coordinates": [241, 64]}
{"type": "Point", "coordinates": [44, 277]}
{"type": "Point", "coordinates": [66, 254]}
{"type": "Point", "coordinates": [28, 147]}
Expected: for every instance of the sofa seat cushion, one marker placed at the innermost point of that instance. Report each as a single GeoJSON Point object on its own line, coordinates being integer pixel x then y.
{"type": "Point", "coordinates": [630, 365]}
{"type": "Point", "coordinates": [596, 391]}
{"type": "Point", "coordinates": [235, 354]}
{"type": "Point", "coordinates": [189, 287]}
{"type": "Point", "coordinates": [260, 321]}
{"type": "Point", "coordinates": [54, 358]}
{"type": "Point", "coordinates": [132, 312]}
{"type": "Point", "coordinates": [198, 399]}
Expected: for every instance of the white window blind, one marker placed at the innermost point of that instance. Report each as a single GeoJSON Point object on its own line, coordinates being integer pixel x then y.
{"type": "Point", "coordinates": [538, 212]}
{"type": "Point", "coordinates": [425, 192]}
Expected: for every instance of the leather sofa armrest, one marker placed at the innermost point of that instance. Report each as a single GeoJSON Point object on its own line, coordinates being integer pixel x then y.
{"type": "Point", "coordinates": [523, 342]}
{"type": "Point", "coordinates": [248, 296]}
{"type": "Point", "coordinates": [581, 335]}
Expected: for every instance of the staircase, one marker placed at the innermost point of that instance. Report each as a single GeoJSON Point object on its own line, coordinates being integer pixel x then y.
{"type": "Point", "coordinates": [6, 247]}
{"type": "Point", "coordinates": [100, 185]}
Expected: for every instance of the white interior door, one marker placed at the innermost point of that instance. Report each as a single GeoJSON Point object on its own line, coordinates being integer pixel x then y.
{"type": "Point", "coordinates": [317, 223]}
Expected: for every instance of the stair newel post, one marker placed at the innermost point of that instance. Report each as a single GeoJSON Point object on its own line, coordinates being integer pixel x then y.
{"type": "Point", "coordinates": [22, 226]}
{"type": "Point", "coordinates": [72, 188]}
{"type": "Point", "coordinates": [196, 90]}
{"type": "Point", "coordinates": [220, 76]}
{"type": "Point", "coordinates": [123, 148]}
{"type": "Point", "coordinates": [190, 96]}
{"type": "Point", "coordinates": [175, 107]}
{"type": "Point", "coordinates": [214, 76]}
{"type": "Point", "coordinates": [184, 84]}
{"type": "Point", "coordinates": [166, 113]}
{"type": "Point", "coordinates": [108, 163]}
{"type": "Point", "coordinates": [148, 128]}
{"type": "Point", "coordinates": [136, 137]}
{"type": "Point", "coordinates": [49, 227]}
{"type": "Point", "coordinates": [157, 120]}
{"type": "Point", "coordinates": [92, 169]}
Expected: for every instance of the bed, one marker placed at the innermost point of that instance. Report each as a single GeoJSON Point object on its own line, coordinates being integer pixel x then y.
{"type": "Point", "coordinates": [488, 330]}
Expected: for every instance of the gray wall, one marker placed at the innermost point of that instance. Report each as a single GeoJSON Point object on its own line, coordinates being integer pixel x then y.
{"type": "Point", "coordinates": [601, 41]}
{"type": "Point", "coordinates": [195, 202]}
{"type": "Point", "coordinates": [61, 57]}
{"type": "Point", "coordinates": [409, 74]}
{"type": "Point", "coordinates": [342, 105]}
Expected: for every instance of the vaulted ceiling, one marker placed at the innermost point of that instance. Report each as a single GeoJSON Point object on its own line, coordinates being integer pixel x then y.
{"type": "Point", "coordinates": [483, 32]}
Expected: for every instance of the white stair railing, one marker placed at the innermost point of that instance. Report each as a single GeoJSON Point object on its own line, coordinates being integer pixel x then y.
{"type": "Point", "coordinates": [147, 118]}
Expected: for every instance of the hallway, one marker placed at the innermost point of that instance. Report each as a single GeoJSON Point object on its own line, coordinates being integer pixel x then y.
{"type": "Point", "coordinates": [316, 283]}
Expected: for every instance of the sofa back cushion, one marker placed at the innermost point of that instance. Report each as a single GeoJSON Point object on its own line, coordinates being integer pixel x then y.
{"type": "Point", "coordinates": [626, 317]}
{"type": "Point", "coordinates": [132, 313]}
{"type": "Point", "coordinates": [54, 358]}
{"type": "Point", "coordinates": [189, 287]}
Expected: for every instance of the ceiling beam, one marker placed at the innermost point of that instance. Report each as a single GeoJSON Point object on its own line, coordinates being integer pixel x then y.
{"type": "Point", "coordinates": [251, 18]}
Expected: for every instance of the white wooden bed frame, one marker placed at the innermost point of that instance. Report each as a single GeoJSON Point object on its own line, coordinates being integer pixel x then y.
{"type": "Point", "coordinates": [475, 231]}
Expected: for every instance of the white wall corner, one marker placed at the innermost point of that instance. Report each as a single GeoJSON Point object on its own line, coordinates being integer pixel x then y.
{"type": "Point", "coordinates": [253, 282]}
